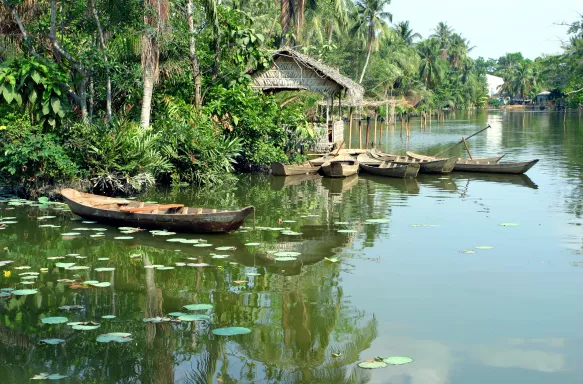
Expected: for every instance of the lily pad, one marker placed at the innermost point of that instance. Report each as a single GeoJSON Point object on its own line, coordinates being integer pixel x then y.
{"type": "Point", "coordinates": [26, 282]}
{"type": "Point", "coordinates": [156, 320]}
{"type": "Point", "coordinates": [189, 317]}
{"type": "Point", "coordinates": [287, 254]}
{"type": "Point", "coordinates": [231, 331]}
{"type": "Point", "coordinates": [398, 360]}
{"type": "Point", "coordinates": [252, 244]}
{"type": "Point", "coordinates": [377, 221]}
{"type": "Point", "coordinates": [23, 292]}
{"type": "Point", "coordinates": [220, 256]}
{"type": "Point", "coordinates": [164, 268]}
{"type": "Point", "coordinates": [70, 234]}
{"type": "Point", "coordinates": [89, 222]}
{"type": "Point", "coordinates": [104, 269]}
{"type": "Point", "coordinates": [176, 314]}
{"type": "Point", "coordinates": [509, 224]}
{"type": "Point", "coordinates": [285, 258]}
{"type": "Point", "coordinates": [202, 245]}
{"type": "Point", "coordinates": [198, 307]}
{"type": "Point", "coordinates": [85, 327]}
{"type": "Point", "coordinates": [108, 317]}
{"type": "Point", "coordinates": [176, 240]}
{"type": "Point", "coordinates": [77, 268]}
{"type": "Point", "coordinates": [103, 259]}
{"type": "Point", "coordinates": [117, 337]}
{"type": "Point", "coordinates": [71, 307]}
{"type": "Point", "coordinates": [54, 320]}
{"type": "Point", "coordinates": [51, 341]}
{"type": "Point", "coordinates": [372, 364]}
{"type": "Point", "coordinates": [89, 282]}
{"type": "Point", "coordinates": [252, 274]}
{"type": "Point", "coordinates": [468, 251]}
{"type": "Point", "coordinates": [5, 294]}
{"type": "Point", "coordinates": [48, 376]}
{"type": "Point", "coordinates": [123, 237]}
{"type": "Point", "coordinates": [103, 284]}
{"type": "Point", "coordinates": [29, 277]}
{"type": "Point", "coordinates": [347, 231]}
{"type": "Point", "coordinates": [46, 217]}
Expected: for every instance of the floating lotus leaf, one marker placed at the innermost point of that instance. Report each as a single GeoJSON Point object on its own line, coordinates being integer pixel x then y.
{"type": "Point", "coordinates": [23, 292]}
{"type": "Point", "coordinates": [176, 240]}
{"type": "Point", "coordinates": [26, 282]}
{"type": "Point", "coordinates": [398, 360]}
{"type": "Point", "coordinates": [377, 221]}
{"type": "Point", "coordinates": [287, 254]}
{"type": "Point", "coordinates": [127, 232]}
{"type": "Point", "coordinates": [156, 320]}
{"type": "Point", "coordinates": [189, 317]}
{"type": "Point", "coordinates": [6, 289]}
{"type": "Point", "coordinates": [116, 337]}
{"type": "Point", "coordinates": [468, 251]}
{"type": "Point", "coordinates": [108, 317]}
{"type": "Point", "coordinates": [51, 341]}
{"type": "Point", "coordinates": [252, 244]}
{"type": "Point", "coordinates": [252, 274]}
{"type": "Point", "coordinates": [123, 237]}
{"type": "Point", "coordinates": [29, 277]}
{"type": "Point", "coordinates": [103, 284]}
{"type": "Point", "coordinates": [291, 233]}
{"type": "Point", "coordinates": [81, 229]}
{"type": "Point", "coordinates": [5, 294]}
{"type": "Point", "coordinates": [202, 245]}
{"type": "Point", "coordinates": [231, 331]}
{"type": "Point", "coordinates": [97, 235]}
{"type": "Point", "coordinates": [198, 307]}
{"type": "Point", "coordinates": [227, 248]}
{"type": "Point", "coordinates": [48, 376]}
{"type": "Point", "coordinates": [164, 268]}
{"type": "Point", "coordinates": [347, 231]}
{"type": "Point", "coordinates": [29, 274]}
{"type": "Point", "coordinates": [55, 257]}
{"type": "Point", "coordinates": [65, 281]}
{"type": "Point", "coordinates": [70, 234]}
{"type": "Point", "coordinates": [220, 256]}
{"type": "Point", "coordinates": [71, 307]}
{"type": "Point", "coordinates": [484, 247]}
{"type": "Point", "coordinates": [49, 226]}
{"type": "Point", "coordinates": [176, 314]}
{"type": "Point", "coordinates": [23, 267]}
{"type": "Point", "coordinates": [7, 218]}
{"type": "Point", "coordinates": [162, 233]}
{"type": "Point", "coordinates": [191, 241]}
{"type": "Point", "coordinates": [127, 228]}
{"type": "Point", "coordinates": [372, 364]}
{"type": "Point", "coordinates": [73, 254]}
{"type": "Point", "coordinates": [285, 258]}
{"type": "Point", "coordinates": [180, 264]}
{"type": "Point", "coordinates": [276, 229]}
{"type": "Point", "coordinates": [153, 266]}
{"type": "Point", "coordinates": [80, 257]}
{"type": "Point", "coordinates": [77, 268]}
{"type": "Point", "coordinates": [103, 259]}
{"type": "Point", "coordinates": [509, 224]}
{"type": "Point", "coordinates": [46, 217]}
{"type": "Point", "coordinates": [54, 320]}
{"type": "Point", "coordinates": [9, 222]}
{"type": "Point", "coordinates": [289, 221]}
{"type": "Point", "coordinates": [198, 265]}
{"type": "Point", "coordinates": [104, 269]}
{"type": "Point", "coordinates": [89, 222]}
{"type": "Point", "coordinates": [89, 282]}
{"type": "Point", "coordinates": [85, 327]}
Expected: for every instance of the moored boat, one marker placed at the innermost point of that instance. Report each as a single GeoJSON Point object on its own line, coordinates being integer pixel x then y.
{"type": "Point", "coordinates": [482, 159]}
{"type": "Point", "coordinates": [175, 217]}
{"type": "Point", "coordinates": [486, 165]}
{"type": "Point", "coordinates": [340, 168]}
{"type": "Point", "coordinates": [426, 166]}
{"type": "Point", "coordinates": [391, 169]}
{"type": "Point", "coordinates": [280, 169]}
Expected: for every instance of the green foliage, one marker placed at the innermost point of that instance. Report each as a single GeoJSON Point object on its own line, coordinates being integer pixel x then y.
{"type": "Point", "coordinates": [34, 85]}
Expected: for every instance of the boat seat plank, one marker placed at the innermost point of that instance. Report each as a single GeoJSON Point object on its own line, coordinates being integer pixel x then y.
{"type": "Point", "coordinates": [151, 208]}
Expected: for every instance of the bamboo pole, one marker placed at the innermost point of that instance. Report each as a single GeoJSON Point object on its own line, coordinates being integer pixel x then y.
{"type": "Point", "coordinates": [375, 127]}
{"type": "Point", "coordinates": [367, 130]}
{"type": "Point", "coordinates": [461, 141]}
{"type": "Point", "coordinates": [467, 148]}
{"type": "Point", "coordinates": [359, 130]}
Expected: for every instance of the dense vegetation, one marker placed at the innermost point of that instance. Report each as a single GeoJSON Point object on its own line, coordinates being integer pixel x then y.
{"type": "Point", "coordinates": [126, 93]}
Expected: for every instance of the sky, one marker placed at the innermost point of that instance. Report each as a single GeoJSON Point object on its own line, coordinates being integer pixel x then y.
{"type": "Point", "coordinates": [495, 27]}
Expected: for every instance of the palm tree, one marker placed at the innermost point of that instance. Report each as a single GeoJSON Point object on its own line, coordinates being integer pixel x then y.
{"type": "Point", "coordinates": [405, 32]}
{"type": "Point", "coordinates": [523, 79]}
{"type": "Point", "coordinates": [430, 68]}
{"type": "Point", "coordinates": [155, 18]}
{"type": "Point", "coordinates": [371, 21]}
{"type": "Point", "coordinates": [443, 33]}
{"type": "Point", "coordinates": [458, 49]}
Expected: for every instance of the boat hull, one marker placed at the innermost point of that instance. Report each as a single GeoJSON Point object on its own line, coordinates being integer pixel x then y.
{"type": "Point", "coordinates": [512, 168]}
{"type": "Point", "coordinates": [205, 222]}
{"type": "Point", "coordinates": [463, 165]}
{"type": "Point", "coordinates": [340, 168]}
{"type": "Point", "coordinates": [279, 169]}
{"type": "Point", "coordinates": [392, 170]}
{"type": "Point", "coordinates": [426, 165]}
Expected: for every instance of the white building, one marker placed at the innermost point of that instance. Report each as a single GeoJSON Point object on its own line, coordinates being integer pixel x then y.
{"type": "Point", "coordinates": [494, 84]}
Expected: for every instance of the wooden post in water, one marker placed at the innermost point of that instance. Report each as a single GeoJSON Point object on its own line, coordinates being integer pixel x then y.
{"type": "Point", "coordinates": [350, 128]}
{"type": "Point", "coordinates": [359, 130]}
{"type": "Point", "coordinates": [375, 127]}
{"type": "Point", "coordinates": [367, 130]}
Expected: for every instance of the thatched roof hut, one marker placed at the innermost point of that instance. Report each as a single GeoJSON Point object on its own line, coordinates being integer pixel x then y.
{"type": "Point", "coordinates": [292, 70]}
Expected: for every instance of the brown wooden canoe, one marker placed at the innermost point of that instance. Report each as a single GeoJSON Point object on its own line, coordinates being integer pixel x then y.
{"type": "Point", "coordinates": [426, 166]}
{"type": "Point", "coordinates": [280, 169]}
{"type": "Point", "coordinates": [485, 165]}
{"type": "Point", "coordinates": [340, 168]}
{"type": "Point", "coordinates": [391, 169]}
{"type": "Point", "coordinates": [174, 217]}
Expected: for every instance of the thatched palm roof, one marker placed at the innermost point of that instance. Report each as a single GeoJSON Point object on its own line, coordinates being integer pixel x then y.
{"type": "Point", "coordinates": [292, 70]}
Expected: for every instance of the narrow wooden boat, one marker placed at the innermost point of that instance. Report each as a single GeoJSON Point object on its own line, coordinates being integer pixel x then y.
{"type": "Point", "coordinates": [174, 217]}
{"type": "Point", "coordinates": [391, 169]}
{"type": "Point", "coordinates": [486, 164]}
{"type": "Point", "coordinates": [482, 159]}
{"type": "Point", "coordinates": [280, 169]}
{"type": "Point", "coordinates": [426, 166]}
{"type": "Point", "coordinates": [515, 168]}
{"type": "Point", "coordinates": [340, 168]}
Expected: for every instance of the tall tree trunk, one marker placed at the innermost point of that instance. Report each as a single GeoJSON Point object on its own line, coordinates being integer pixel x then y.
{"type": "Point", "coordinates": [300, 18]}
{"type": "Point", "coordinates": [147, 99]}
{"type": "Point", "coordinates": [106, 59]}
{"type": "Point", "coordinates": [366, 62]}
{"type": "Point", "coordinates": [194, 63]}
{"type": "Point", "coordinates": [285, 16]}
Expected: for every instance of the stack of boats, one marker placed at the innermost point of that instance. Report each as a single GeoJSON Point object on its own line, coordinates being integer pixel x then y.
{"type": "Point", "coordinates": [383, 164]}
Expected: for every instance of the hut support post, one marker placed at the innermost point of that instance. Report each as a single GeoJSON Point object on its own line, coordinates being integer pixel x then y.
{"type": "Point", "coordinates": [350, 128]}
{"type": "Point", "coordinates": [367, 130]}
{"type": "Point", "coordinates": [375, 127]}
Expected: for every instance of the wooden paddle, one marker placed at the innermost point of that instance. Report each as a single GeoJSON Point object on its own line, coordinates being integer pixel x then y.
{"type": "Point", "coordinates": [461, 141]}
{"type": "Point", "coordinates": [339, 148]}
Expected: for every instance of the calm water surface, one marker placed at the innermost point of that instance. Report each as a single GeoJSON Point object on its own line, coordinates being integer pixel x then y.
{"type": "Point", "coordinates": [509, 314]}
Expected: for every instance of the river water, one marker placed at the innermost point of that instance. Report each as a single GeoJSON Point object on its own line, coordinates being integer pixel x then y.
{"type": "Point", "coordinates": [410, 284]}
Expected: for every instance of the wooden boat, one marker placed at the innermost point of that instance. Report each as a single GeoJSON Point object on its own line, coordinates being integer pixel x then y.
{"type": "Point", "coordinates": [340, 168]}
{"type": "Point", "coordinates": [174, 217]}
{"type": "Point", "coordinates": [280, 182]}
{"type": "Point", "coordinates": [482, 159]}
{"type": "Point", "coordinates": [280, 169]}
{"type": "Point", "coordinates": [339, 185]}
{"type": "Point", "coordinates": [391, 169]}
{"type": "Point", "coordinates": [487, 165]}
{"type": "Point", "coordinates": [426, 166]}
